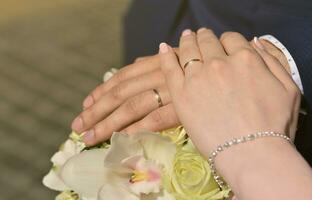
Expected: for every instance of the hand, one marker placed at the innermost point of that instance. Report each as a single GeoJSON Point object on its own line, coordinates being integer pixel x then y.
{"type": "Point", "coordinates": [235, 91]}
{"type": "Point", "coordinates": [126, 102]}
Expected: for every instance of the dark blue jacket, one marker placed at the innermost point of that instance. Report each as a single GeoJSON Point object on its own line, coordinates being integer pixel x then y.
{"type": "Point", "coordinates": [149, 22]}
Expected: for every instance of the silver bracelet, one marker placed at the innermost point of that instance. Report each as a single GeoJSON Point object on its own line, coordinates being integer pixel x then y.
{"type": "Point", "coordinates": [235, 141]}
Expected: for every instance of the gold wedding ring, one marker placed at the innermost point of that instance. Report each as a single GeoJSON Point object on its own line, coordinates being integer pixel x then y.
{"type": "Point", "coordinates": [160, 103]}
{"type": "Point", "coordinates": [191, 61]}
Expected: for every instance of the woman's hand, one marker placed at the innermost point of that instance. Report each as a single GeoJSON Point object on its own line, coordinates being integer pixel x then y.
{"type": "Point", "coordinates": [237, 90]}
{"type": "Point", "coordinates": [234, 91]}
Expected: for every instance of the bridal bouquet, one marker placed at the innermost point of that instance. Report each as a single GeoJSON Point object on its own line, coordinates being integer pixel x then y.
{"type": "Point", "coordinates": [143, 166]}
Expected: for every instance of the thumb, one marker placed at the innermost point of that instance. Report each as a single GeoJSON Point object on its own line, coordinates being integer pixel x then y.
{"type": "Point", "coordinates": [274, 65]}
{"type": "Point", "coordinates": [171, 68]}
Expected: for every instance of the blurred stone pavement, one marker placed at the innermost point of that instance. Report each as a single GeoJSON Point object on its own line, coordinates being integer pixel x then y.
{"type": "Point", "coordinates": [52, 53]}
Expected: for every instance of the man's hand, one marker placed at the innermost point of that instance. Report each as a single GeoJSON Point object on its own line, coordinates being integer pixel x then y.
{"type": "Point", "coordinates": [127, 102]}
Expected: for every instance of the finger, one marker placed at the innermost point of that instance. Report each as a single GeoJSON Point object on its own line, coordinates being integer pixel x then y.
{"type": "Point", "coordinates": [234, 42]}
{"type": "Point", "coordinates": [115, 97]}
{"type": "Point", "coordinates": [274, 65]}
{"type": "Point", "coordinates": [131, 111]}
{"type": "Point", "coordinates": [142, 58]}
{"type": "Point", "coordinates": [136, 69]}
{"type": "Point", "coordinates": [189, 50]}
{"type": "Point", "coordinates": [171, 69]}
{"type": "Point", "coordinates": [284, 77]}
{"type": "Point", "coordinates": [209, 45]}
{"type": "Point", "coordinates": [158, 120]}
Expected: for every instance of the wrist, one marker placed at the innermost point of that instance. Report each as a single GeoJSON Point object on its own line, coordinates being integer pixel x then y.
{"type": "Point", "coordinates": [251, 157]}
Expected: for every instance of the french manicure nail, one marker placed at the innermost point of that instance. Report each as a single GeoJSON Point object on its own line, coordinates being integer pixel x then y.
{"type": "Point", "coordinates": [163, 48]}
{"type": "Point", "coordinates": [186, 32]}
{"type": "Point", "coordinates": [77, 124]}
{"type": "Point", "coordinates": [88, 102]}
{"type": "Point", "coordinates": [88, 137]}
{"type": "Point", "coordinates": [258, 43]}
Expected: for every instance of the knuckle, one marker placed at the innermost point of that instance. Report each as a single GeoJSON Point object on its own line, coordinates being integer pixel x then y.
{"type": "Point", "coordinates": [109, 125]}
{"type": "Point", "coordinates": [97, 93]}
{"type": "Point", "coordinates": [88, 116]}
{"type": "Point", "coordinates": [137, 79]}
{"type": "Point", "coordinates": [112, 123]}
{"type": "Point", "coordinates": [157, 118]}
{"type": "Point", "coordinates": [117, 92]}
{"type": "Point", "coordinates": [98, 132]}
{"type": "Point", "coordinates": [247, 55]}
{"type": "Point", "coordinates": [227, 35]}
{"type": "Point", "coordinates": [217, 63]}
{"type": "Point", "coordinates": [132, 105]}
{"type": "Point", "coordinates": [120, 76]}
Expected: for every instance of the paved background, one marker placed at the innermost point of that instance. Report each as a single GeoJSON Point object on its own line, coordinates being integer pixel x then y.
{"type": "Point", "coordinates": [52, 53]}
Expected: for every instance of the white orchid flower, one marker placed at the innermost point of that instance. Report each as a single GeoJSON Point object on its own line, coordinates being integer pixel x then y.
{"type": "Point", "coordinates": [69, 149]}
{"type": "Point", "coordinates": [131, 169]}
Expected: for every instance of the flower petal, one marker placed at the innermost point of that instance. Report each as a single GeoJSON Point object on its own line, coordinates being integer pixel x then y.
{"type": "Point", "coordinates": [157, 148]}
{"type": "Point", "coordinates": [153, 173]}
{"type": "Point", "coordinates": [54, 182]}
{"type": "Point", "coordinates": [122, 146]}
{"type": "Point", "coordinates": [114, 192]}
{"type": "Point", "coordinates": [85, 173]}
{"type": "Point", "coordinates": [109, 74]}
{"type": "Point", "coordinates": [68, 150]}
{"type": "Point", "coordinates": [145, 187]}
{"type": "Point", "coordinates": [59, 158]}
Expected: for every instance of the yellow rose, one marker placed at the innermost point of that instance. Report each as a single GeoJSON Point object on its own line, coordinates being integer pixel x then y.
{"type": "Point", "coordinates": [177, 135]}
{"type": "Point", "coordinates": [191, 177]}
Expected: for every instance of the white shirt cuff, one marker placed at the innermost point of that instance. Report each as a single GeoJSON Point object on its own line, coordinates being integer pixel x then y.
{"type": "Point", "coordinates": [292, 64]}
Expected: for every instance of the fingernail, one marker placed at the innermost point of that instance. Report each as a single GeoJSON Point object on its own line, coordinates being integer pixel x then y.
{"type": "Point", "coordinates": [88, 137]}
{"type": "Point", "coordinates": [258, 43]}
{"type": "Point", "coordinates": [201, 29]}
{"type": "Point", "coordinates": [163, 48]}
{"type": "Point", "coordinates": [88, 102]}
{"type": "Point", "coordinates": [186, 32]}
{"type": "Point", "coordinates": [77, 124]}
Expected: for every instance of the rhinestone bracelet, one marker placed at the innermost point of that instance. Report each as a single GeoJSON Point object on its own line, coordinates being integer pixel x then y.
{"type": "Point", "coordinates": [235, 141]}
